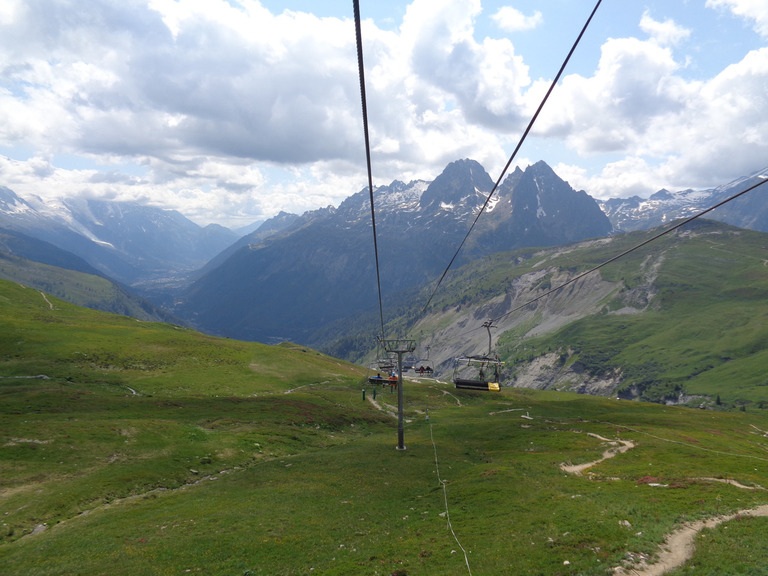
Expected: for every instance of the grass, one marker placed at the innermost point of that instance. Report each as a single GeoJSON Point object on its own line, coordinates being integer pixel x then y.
{"type": "Point", "coordinates": [732, 549]}
{"type": "Point", "coordinates": [343, 501]}
{"type": "Point", "coordinates": [702, 330]}
{"type": "Point", "coordinates": [80, 288]}
{"type": "Point", "coordinates": [236, 458]}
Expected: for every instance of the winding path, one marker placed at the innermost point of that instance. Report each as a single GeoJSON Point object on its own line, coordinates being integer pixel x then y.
{"type": "Point", "coordinates": [46, 299]}
{"type": "Point", "coordinates": [679, 545]}
{"type": "Point", "coordinates": [381, 408]}
{"type": "Point", "coordinates": [617, 447]}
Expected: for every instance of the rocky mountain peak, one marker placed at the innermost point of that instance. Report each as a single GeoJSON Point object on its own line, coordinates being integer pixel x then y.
{"type": "Point", "coordinates": [662, 194]}
{"type": "Point", "coordinates": [459, 181]}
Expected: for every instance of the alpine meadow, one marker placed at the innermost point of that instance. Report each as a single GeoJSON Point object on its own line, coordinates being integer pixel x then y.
{"type": "Point", "coordinates": [141, 448]}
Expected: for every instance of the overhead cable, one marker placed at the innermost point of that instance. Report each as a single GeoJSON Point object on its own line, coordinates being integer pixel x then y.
{"type": "Point", "coordinates": [361, 70]}
{"type": "Point", "coordinates": [442, 484]}
{"type": "Point", "coordinates": [514, 153]}
{"type": "Point", "coordinates": [628, 251]}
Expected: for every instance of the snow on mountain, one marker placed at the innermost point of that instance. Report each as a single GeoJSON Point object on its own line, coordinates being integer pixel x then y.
{"type": "Point", "coordinates": [750, 211]}
{"type": "Point", "coordinates": [126, 241]}
{"type": "Point", "coordinates": [399, 196]}
{"type": "Point", "coordinates": [320, 269]}
{"type": "Point", "coordinates": [11, 204]}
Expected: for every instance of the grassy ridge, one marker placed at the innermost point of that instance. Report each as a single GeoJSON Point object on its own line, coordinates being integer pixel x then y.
{"type": "Point", "coordinates": [80, 288]}
{"type": "Point", "coordinates": [63, 341]}
{"type": "Point", "coordinates": [103, 406]}
{"type": "Point", "coordinates": [703, 332]}
{"type": "Point", "coordinates": [687, 317]}
{"type": "Point", "coordinates": [238, 458]}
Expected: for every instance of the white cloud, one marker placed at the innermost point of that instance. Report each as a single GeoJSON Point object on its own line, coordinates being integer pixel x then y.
{"type": "Point", "coordinates": [510, 19]}
{"type": "Point", "coordinates": [631, 176]}
{"type": "Point", "coordinates": [724, 131]}
{"type": "Point", "coordinates": [485, 80]}
{"type": "Point", "coordinates": [671, 132]}
{"type": "Point", "coordinates": [612, 110]}
{"type": "Point", "coordinates": [756, 10]}
{"type": "Point", "coordinates": [229, 94]}
{"type": "Point", "coordinates": [9, 10]}
{"type": "Point", "coordinates": [222, 107]}
{"type": "Point", "coordinates": [666, 32]}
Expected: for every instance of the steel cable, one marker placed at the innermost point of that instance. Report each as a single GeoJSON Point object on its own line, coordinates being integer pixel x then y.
{"type": "Point", "coordinates": [361, 72]}
{"type": "Point", "coordinates": [621, 255]}
{"type": "Point", "coordinates": [514, 153]}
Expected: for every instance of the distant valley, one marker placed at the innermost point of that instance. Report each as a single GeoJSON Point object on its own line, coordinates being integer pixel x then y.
{"type": "Point", "coordinates": [311, 278]}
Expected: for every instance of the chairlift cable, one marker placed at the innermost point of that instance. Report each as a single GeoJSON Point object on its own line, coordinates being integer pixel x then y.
{"type": "Point", "coordinates": [626, 252]}
{"type": "Point", "coordinates": [442, 484]}
{"type": "Point", "coordinates": [361, 72]}
{"type": "Point", "coordinates": [514, 153]}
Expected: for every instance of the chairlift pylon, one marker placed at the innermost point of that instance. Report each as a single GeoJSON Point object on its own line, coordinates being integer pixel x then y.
{"type": "Point", "coordinates": [385, 366]}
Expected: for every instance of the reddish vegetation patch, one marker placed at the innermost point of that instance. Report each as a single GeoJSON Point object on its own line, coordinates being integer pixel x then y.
{"type": "Point", "coordinates": [647, 480]}
{"type": "Point", "coordinates": [489, 473]}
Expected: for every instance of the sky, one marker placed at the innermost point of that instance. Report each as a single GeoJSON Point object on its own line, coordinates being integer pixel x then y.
{"type": "Point", "coordinates": [231, 111]}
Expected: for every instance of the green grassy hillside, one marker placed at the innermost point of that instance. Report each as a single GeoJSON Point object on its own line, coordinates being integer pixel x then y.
{"type": "Point", "coordinates": [682, 319]}
{"type": "Point", "coordinates": [78, 287]}
{"type": "Point", "coordinates": [137, 448]}
{"type": "Point", "coordinates": [691, 318]}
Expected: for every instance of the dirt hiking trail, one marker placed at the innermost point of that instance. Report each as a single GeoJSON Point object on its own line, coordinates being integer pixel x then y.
{"type": "Point", "coordinates": [679, 545]}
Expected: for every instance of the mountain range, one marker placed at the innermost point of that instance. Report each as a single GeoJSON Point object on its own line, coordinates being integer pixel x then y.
{"type": "Point", "coordinates": [749, 211]}
{"type": "Point", "coordinates": [321, 267]}
{"type": "Point", "coordinates": [127, 241]}
{"type": "Point", "coordinates": [296, 275]}
{"type": "Point", "coordinates": [38, 264]}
